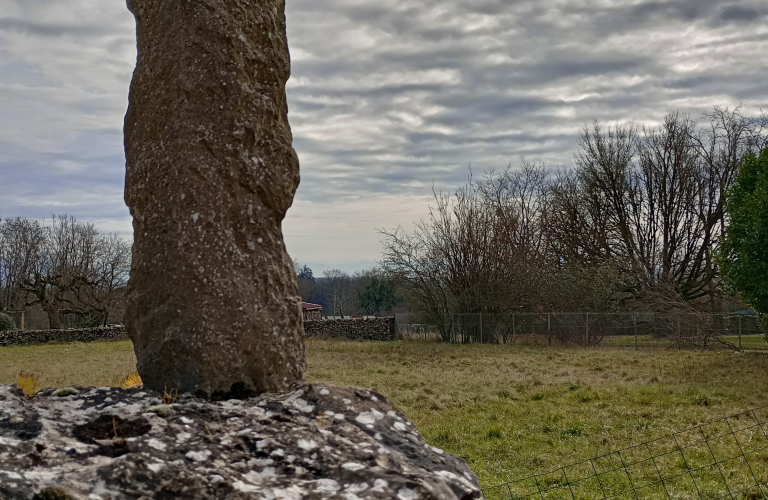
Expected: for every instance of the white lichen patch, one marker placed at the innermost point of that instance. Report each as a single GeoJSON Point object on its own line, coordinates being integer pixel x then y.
{"type": "Point", "coordinates": [369, 417]}
{"type": "Point", "coordinates": [450, 476]}
{"type": "Point", "coordinates": [303, 406]}
{"type": "Point", "coordinates": [198, 456]}
{"type": "Point", "coordinates": [307, 444]}
{"type": "Point", "coordinates": [245, 487]}
{"type": "Point", "coordinates": [353, 466]}
{"type": "Point", "coordinates": [327, 486]}
{"type": "Point", "coordinates": [157, 444]}
{"type": "Point", "coordinates": [380, 486]}
{"type": "Point", "coordinates": [407, 494]}
{"type": "Point", "coordinates": [155, 467]}
{"type": "Point", "coordinates": [356, 488]}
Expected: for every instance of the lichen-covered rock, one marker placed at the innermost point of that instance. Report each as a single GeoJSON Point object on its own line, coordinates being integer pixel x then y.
{"type": "Point", "coordinates": [210, 173]}
{"type": "Point", "coordinates": [315, 442]}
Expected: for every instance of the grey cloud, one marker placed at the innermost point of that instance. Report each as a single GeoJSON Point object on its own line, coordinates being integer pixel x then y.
{"type": "Point", "coordinates": [49, 30]}
{"type": "Point", "coordinates": [689, 10]}
{"type": "Point", "coordinates": [740, 14]}
{"type": "Point", "coordinates": [387, 98]}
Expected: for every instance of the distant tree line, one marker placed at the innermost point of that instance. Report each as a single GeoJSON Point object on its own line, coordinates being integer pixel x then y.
{"type": "Point", "coordinates": [635, 223]}
{"type": "Point", "coordinates": [69, 269]}
{"type": "Point", "coordinates": [365, 293]}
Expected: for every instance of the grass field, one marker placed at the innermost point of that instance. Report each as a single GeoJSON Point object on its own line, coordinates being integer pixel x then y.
{"type": "Point", "coordinates": [508, 410]}
{"type": "Point", "coordinates": [748, 342]}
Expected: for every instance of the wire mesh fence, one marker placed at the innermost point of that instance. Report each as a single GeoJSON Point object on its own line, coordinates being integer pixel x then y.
{"type": "Point", "coordinates": [724, 459]}
{"type": "Point", "coordinates": [625, 329]}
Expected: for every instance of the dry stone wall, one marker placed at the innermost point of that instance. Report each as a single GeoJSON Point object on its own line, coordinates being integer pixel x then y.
{"type": "Point", "coordinates": [21, 337]}
{"type": "Point", "coordinates": [382, 329]}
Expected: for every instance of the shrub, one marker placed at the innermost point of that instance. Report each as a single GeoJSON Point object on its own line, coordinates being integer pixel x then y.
{"type": "Point", "coordinates": [6, 323]}
{"type": "Point", "coordinates": [743, 259]}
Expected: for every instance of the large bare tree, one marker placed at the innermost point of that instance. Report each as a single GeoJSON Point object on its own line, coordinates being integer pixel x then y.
{"type": "Point", "coordinates": [64, 266]}
{"type": "Point", "coordinates": [20, 242]}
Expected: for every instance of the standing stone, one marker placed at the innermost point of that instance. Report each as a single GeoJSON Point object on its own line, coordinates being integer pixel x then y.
{"type": "Point", "coordinates": [213, 303]}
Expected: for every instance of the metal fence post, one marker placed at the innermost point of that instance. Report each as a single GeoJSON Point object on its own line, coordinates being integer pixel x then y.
{"type": "Point", "coordinates": [740, 332]}
{"type": "Point", "coordinates": [586, 340]}
{"type": "Point", "coordinates": [481, 328]}
{"type": "Point", "coordinates": [634, 318]}
{"type": "Point", "coordinates": [513, 327]}
{"type": "Point", "coordinates": [549, 331]}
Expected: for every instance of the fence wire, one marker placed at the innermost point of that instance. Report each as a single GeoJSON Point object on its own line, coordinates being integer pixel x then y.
{"type": "Point", "coordinates": [724, 459]}
{"type": "Point", "coordinates": [625, 329]}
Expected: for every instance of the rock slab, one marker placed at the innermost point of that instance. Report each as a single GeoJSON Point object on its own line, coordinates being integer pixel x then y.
{"type": "Point", "coordinates": [210, 173]}
{"type": "Point", "coordinates": [315, 442]}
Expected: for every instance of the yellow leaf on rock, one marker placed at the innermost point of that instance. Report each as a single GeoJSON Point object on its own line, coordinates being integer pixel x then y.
{"type": "Point", "coordinates": [132, 380]}
{"type": "Point", "coordinates": [28, 384]}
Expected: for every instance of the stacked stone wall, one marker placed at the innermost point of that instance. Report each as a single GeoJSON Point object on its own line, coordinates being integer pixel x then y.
{"type": "Point", "coordinates": [382, 329]}
{"type": "Point", "coordinates": [20, 337]}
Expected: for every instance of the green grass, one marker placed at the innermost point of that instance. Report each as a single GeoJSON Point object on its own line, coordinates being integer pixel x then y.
{"type": "Point", "coordinates": [748, 342]}
{"type": "Point", "coordinates": [508, 410]}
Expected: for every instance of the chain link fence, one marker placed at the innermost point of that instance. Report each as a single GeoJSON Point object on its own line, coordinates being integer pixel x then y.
{"type": "Point", "coordinates": [724, 459]}
{"type": "Point", "coordinates": [626, 329]}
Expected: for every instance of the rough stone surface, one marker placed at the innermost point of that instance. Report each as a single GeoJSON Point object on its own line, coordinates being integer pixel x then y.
{"type": "Point", "coordinates": [21, 337]}
{"type": "Point", "coordinates": [210, 173]}
{"type": "Point", "coordinates": [317, 441]}
{"type": "Point", "coordinates": [383, 329]}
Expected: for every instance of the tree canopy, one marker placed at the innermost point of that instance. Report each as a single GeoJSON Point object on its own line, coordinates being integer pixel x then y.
{"type": "Point", "coordinates": [744, 250]}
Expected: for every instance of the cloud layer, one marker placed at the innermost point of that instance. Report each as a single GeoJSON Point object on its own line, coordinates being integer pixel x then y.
{"type": "Point", "coordinates": [387, 99]}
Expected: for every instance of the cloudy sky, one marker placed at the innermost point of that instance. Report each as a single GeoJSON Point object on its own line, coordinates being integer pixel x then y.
{"type": "Point", "coordinates": [387, 99]}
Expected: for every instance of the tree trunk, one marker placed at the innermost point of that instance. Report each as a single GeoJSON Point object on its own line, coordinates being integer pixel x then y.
{"type": "Point", "coordinates": [54, 318]}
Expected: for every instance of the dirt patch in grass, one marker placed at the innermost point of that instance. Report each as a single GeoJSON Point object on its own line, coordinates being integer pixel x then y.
{"type": "Point", "coordinates": [509, 411]}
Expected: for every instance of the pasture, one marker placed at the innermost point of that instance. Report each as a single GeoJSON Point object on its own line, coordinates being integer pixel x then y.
{"type": "Point", "coordinates": [508, 410]}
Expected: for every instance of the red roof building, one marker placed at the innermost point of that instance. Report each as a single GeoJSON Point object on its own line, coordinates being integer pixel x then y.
{"type": "Point", "coordinates": [312, 312]}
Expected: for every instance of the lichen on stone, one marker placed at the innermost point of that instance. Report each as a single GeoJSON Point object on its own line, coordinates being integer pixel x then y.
{"type": "Point", "coordinates": [110, 443]}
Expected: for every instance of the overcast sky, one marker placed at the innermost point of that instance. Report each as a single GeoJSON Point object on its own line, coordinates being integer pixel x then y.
{"type": "Point", "coordinates": [387, 98]}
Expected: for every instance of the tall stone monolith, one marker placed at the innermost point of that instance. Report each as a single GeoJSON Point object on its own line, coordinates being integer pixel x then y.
{"type": "Point", "coordinates": [213, 304]}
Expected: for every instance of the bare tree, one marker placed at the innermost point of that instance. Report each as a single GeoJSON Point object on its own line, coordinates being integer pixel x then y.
{"type": "Point", "coordinates": [651, 201]}
{"type": "Point", "coordinates": [20, 244]}
{"type": "Point", "coordinates": [109, 275]}
{"type": "Point", "coordinates": [721, 143]}
{"type": "Point", "coordinates": [477, 252]}
{"type": "Point", "coordinates": [75, 270]}
{"type": "Point", "coordinates": [339, 292]}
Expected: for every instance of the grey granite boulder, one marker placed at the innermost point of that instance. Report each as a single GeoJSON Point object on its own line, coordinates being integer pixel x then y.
{"type": "Point", "coordinates": [317, 441]}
